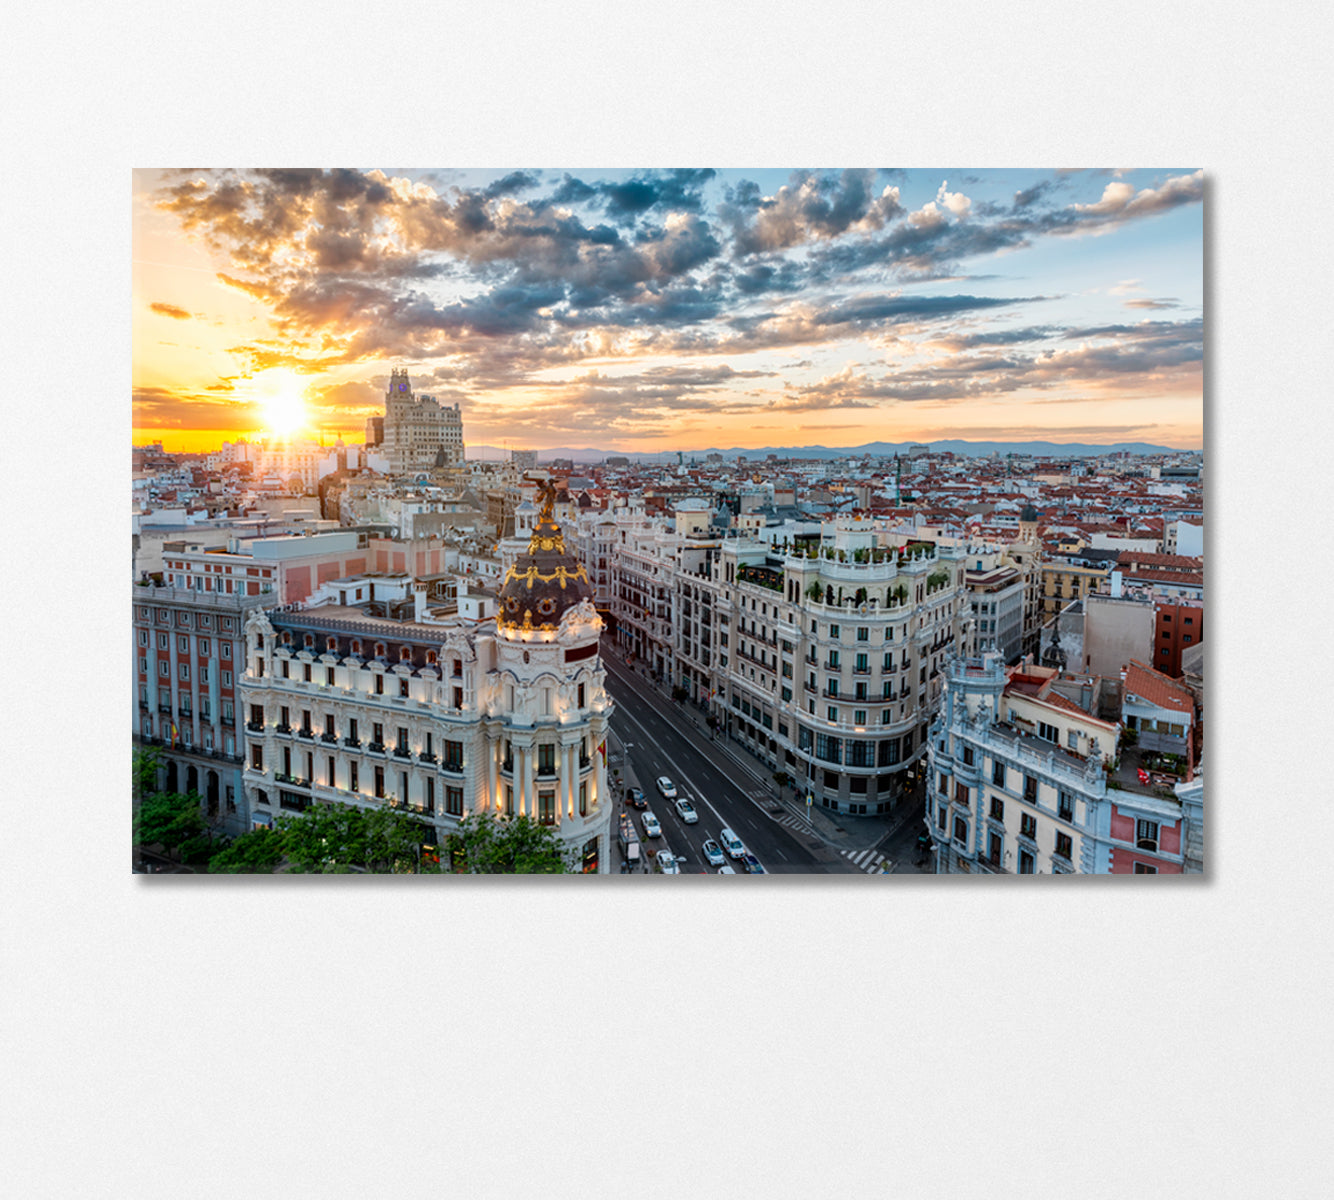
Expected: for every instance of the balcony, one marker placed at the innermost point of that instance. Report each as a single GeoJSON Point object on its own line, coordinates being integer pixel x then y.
{"type": "Point", "coordinates": [291, 780]}
{"type": "Point", "coordinates": [352, 743]}
{"type": "Point", "coordinates": [375, 747]}
{"type": "Point", "coordinates": [286, 729]}
{"type": "Point", "coordinates": [402, 752]}
{"type": "Point", "coordinates": [329, 738]}
{"type": "Point", "coordinates": [427, 757]}
{"type": "Point", "coordinates": [255, 726]}
{"type": "Point", "coordinates": [164, 709]}
{"type": "Point", "coordinates": [308, 734]}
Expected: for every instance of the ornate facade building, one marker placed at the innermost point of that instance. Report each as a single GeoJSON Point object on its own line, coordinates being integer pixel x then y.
{"type": "Point", "coordinates": [418, 428]}
{"type": "Point", "coordinates": [440, 718]}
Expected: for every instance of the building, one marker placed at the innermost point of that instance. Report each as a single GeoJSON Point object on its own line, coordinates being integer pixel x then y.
{"type": "Point", "coordinates": [188, 655]}
{"type": "Point", "coordinates": [523, 460]}
{"type": "Point", "coordinates": [416, 428]}
{"type": "Point", "coordinates": [1024, 781]}
{"type": "Point", "coordinates": [438, 719]}
{"type": "Point", "coordinates": [1177, 628]}
{"type": "Point", "coordinates": [997, 593]}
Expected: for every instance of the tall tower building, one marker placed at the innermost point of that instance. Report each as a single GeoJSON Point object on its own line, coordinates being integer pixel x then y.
{"type": "Point", "coordinates": [417, 428]}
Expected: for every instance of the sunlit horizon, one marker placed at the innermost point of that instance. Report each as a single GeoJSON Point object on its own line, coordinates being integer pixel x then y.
{"type": "Point", "coordinates": [642, 311]}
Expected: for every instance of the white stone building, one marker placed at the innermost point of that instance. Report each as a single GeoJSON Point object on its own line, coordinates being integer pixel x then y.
{"type": "Point", "coordinates": [417, 428]}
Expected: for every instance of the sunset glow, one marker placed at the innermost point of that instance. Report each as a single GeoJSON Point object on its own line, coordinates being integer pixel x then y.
{"type": "Point", "coordinates": [658, 309]}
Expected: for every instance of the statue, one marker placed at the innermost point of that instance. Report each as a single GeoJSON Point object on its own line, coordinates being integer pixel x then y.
{"type": "Point", "coordinates": [546, 491]}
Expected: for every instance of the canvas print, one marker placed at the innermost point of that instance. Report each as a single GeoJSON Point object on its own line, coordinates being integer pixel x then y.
{"type": "Point", "coordinates": [668, 521]}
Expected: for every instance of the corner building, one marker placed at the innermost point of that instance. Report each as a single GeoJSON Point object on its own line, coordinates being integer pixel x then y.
{"type": "Point", "coordinates": [506, 714]}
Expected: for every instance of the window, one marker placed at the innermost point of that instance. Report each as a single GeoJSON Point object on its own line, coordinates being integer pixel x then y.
{"type": "Point", "coordinates": [1028, 826]}
{"type": "Point", "coordinates": [942, 817]}
{"type": "Point", "coordinates": [226, 679]}
{"type": "Point", "coordinates": [257, 758]}
{"type": "Point", "coordinates": [1048, 733]}
{"type": "Point", "coordinates": [832, 714]}
{"type": "Point", "coordinates": [1025, 863]}
{"type": "Point", "coordinates": [226, 649]}
{"type": "Point", "coordinates": [833, 631]}
{"type": "Point", "coordinates": [967, 754]}
{"type": "Point", "coordinates": [998, 774]}
{"type": "Point", "coordinates": [353, 782]}
{"type": "Point", "coordinates": [943, 785]}
{"type": "Point", "coordinates": [1065, 806]}
{"type": "Point", "coordinates": [583, 799]}
{"type": "Point", "coordinates": [859, 716]}
{"type": "Point", "coordinates": [402, 687]}
{"type": "Point", "coordinates": [961, 831]}
{"type": "Point", "coordinates": [1030, 788]}
{"type": "Point", "coordinates": [352, 733]}
{"type": "Point", "coordinates": [546, 760]}
{"type": "Point", "coordinates": [1064, 844]}
{"type": "Point", "coordinates": [183, 645]}
{"type": "Point", "coordinates": [997, 808]}
{"type": "Point", "coordinates": [329, 676]}
{"type": "Point", "coordinates": [546, 808]}
{"type": "Point", "coordinates": [960, 793]}
{"type": "Point", "coordinates": [203, 646]}
{"type": "Point", "coordinates": [1145, 869]}
{"type": "Point", "coordinates": [863, 634]}
{"type": "Point", "coordinates": [185, 671]}
{"type": "Point", "coordinates": [994, 849]}
{"type": "Point", "coordinates": [143, 637]}
{"type": "Point", "coordinates": [1146, 835]}
{"type": "Point", "coordinates": [1072, 739]}
{"type": "Point", "coordinates": [379, 685]}
{"type": "Point", "coordinates": [453, 756]}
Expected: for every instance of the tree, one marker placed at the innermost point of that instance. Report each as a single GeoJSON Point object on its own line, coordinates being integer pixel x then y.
{"type": "Point", "coordinates": [338, 838]}
{"type": "Point", "coordinates": [486, 844]}
{"type": "Point", "coordinates": [144, 770]}
{"type": "Point", "coordinates": [255, 853]}
{"type": "Point", "coordinates": [170, 819]}
{"type": "Point", "coordinates": [782, 779]}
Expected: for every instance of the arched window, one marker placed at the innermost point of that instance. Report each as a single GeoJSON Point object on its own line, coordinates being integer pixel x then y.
{"type": "Point", "coordinates": [430, 658]}
{"type": "Point", "coordinates": [287, 637]}
{"type": "Point", "coordinates": [379, 649]}
{"type": "Point", "coordinates": [356, 646]}
{"type": "Point", "coordinates": [309, 641]}
{"type": "Point", "coordinates": [331, 644]}
{"type": "Point", "coordinates": [404, 654]}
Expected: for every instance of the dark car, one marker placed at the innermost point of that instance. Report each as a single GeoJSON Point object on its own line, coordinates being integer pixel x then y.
{"type": "Point", "coordinates": [635, 797]}
{"type": "Point", "coordinates": [752, 865]}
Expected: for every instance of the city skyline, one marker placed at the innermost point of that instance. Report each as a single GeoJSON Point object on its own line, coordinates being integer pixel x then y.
{"type": "Point", "coordinates": [660, 310]}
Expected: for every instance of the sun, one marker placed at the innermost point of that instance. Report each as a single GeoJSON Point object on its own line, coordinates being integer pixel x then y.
{"type": "Point", "coordinates": [281, 397]}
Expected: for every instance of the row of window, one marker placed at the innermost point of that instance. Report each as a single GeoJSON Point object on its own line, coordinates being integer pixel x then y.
{"type": "Point", "coordinates": [183, 644]}
{"type": "Point", "coordinates": [164, 671]}
{"type": "Point", "coordinates": [201, 620]}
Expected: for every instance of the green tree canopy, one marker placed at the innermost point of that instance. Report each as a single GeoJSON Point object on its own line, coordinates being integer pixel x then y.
{"type": "Point", "coordinates": [489, 845]}
{"type": "Point", "coordinates": [144, 772]}
{"type": "Point", "coordinates": [169, 818]}
{"type": "Point", "coordinates": [255, 853]}
{"type": "Point", "coordinates": [336, 838]}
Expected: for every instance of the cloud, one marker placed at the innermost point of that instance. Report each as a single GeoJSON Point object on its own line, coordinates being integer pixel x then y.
{"type": "Point", "coordinates": [1120, 200]}
{"type": "Point", "coordinates": [810, 207]}
{"type": "Point", "coordinates": [1164, 303]}
{"type": "Point", "coordinates": [170, 310]}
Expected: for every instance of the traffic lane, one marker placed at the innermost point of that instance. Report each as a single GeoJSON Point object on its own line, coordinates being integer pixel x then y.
{"type": "Point", "coordinates": [663, 748]}
{"type": "Point", "coordinates": [657, 747]}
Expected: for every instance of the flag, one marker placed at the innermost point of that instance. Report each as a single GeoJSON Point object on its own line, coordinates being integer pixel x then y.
{"type": "Point", "coordinates": [175, 733]}
{"type": "Point", "coordinates": [602, 749]}
{"type": "Point", "coordinates": [1143, 774]}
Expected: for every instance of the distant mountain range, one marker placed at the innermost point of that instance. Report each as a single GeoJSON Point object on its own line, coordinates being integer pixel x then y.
{"type": "Point", "coordinates": [870, 449]}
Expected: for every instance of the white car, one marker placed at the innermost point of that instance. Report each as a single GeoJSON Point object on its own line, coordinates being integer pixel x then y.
{"type": "Point", "coordinates": [686, 811]}
{"type": "Point", "coordinates": [714, 853]}
{"type": "Point", "coordinates": [732, 844]}
{"type": "Point", "coordinates": [666, 863]}
{"type": "Point", "coordinates": [666, 787]}
{"type": "Point", "coordinates": [726, 870]}
{"type": "Point", "coordinates": [651, 826]}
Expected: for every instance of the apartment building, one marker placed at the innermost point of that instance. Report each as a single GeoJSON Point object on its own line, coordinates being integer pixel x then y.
{"type": "Point", "coordinates": [1025, 779]}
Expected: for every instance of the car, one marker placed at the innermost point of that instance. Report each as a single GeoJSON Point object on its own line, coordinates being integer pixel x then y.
{"type": "Point", "coordinates": [726, 870]}
{"type": "Point", "coordinates": [686, 811]}
{"type": "Point", "coordinates": [666, 787]}
{"type": "Point", "coordinates": [731, 843]}
{"type": "Point", "coordinates": [713, 853]}
{"type": "Point", "coordinates": [666, 863]}
{"type": "Point", "coordinates": [752, 865]}
{"type": "Point", "coordinates": [651, 826]}
{"type": "Point", "coordinates": [635, 797]}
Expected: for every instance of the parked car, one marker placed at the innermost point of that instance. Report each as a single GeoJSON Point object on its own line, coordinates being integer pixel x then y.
{"type": "Point", "coordinates": [666, 787]}
{"type": "Point", "coordinates": [651, 826]}
{"type": "Point", "coordinates": [752, 865]}
{"type": "Point", "coordinates": [686, 811]}
{"type": "Point", "coordinates": [731, 843]}
{"type": "Point", "coordinates": [713, 853]}
{"type": "Point", "coordinates": [635, 798]}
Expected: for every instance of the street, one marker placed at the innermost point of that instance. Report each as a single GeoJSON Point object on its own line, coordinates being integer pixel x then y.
{"type": "Point", "coordinates": [661, 737]}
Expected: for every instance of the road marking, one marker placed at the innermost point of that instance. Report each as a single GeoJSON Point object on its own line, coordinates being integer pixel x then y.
{"type": "Point", "coordinates": [679, 770]}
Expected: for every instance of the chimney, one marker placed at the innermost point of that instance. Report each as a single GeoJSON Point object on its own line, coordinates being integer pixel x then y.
{"type": "Point", "coordinates": [1116, 584]}
{"type": "Point", "coordinates": [419, 602]}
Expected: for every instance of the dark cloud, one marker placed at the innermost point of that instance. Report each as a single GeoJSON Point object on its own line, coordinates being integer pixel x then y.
{"type": "Point", "coordinates": [170, 310]}
{"type": "Point", "coordinates": [810, 207]}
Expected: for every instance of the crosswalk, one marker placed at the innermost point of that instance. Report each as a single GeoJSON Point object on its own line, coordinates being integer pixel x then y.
{"type": "Point", "coordinates": [869, 861]}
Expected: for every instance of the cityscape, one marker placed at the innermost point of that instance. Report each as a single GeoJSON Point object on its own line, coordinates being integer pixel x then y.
{"type": "Point", "coordinates": [668, 522]}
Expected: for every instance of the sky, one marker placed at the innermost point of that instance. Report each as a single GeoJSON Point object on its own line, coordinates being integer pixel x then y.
{"type": "Point", "coordinates": [650, 310]}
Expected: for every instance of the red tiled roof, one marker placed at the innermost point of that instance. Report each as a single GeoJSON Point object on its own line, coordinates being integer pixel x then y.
{"type": "Point", "coordinates": [1157, 688]}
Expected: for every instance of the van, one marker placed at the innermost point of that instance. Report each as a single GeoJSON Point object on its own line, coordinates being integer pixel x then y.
{"type": "Point", "coordinates": [731, 843]}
